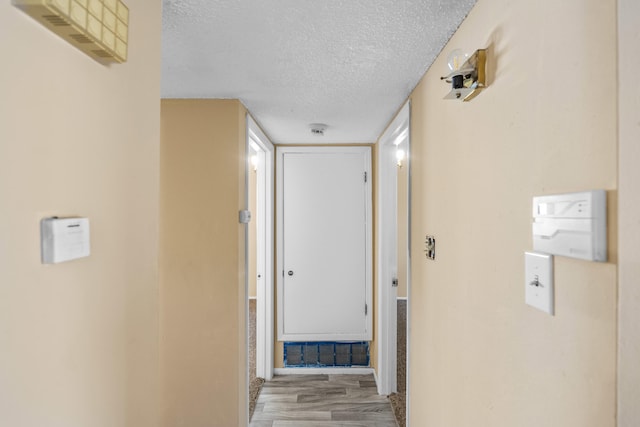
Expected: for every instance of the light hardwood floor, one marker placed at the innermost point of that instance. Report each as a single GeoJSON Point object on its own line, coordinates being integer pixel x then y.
{"type": "Point", "coordinates": [322, 401]}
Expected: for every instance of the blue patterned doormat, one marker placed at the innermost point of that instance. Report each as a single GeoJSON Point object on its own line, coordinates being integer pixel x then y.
{"type": "Point", "coordinates": [326, 354]}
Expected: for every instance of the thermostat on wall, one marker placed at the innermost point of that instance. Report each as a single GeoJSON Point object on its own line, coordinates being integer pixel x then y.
{"type": "Point", "coordinates": [572, 224]}
{"type": "Point", "coordinates": [64, 239]}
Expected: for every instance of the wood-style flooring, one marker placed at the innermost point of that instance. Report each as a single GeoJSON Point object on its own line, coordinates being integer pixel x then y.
{"type": "Point", "coordinates": [322, 401]}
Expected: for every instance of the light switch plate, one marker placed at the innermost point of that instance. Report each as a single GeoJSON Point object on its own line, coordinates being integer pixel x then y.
{"type": "Point", "coordinates": [538, 281]}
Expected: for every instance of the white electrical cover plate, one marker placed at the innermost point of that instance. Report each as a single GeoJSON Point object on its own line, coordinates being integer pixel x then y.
{"type": "Point", "coordinates": [538, 281]}
{"type": "Point", "coordinates": [572, 224]}
{"type": "Point", "coordinates": [64, 239]}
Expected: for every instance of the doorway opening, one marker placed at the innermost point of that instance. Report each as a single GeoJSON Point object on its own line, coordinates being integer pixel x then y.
{"type": "Point", "coordinates": [260, 191]}
{"type": "Point", "coordinates": [394, 261]}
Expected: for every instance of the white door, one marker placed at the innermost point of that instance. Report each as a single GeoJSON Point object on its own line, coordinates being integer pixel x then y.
{"type": "Point", "coordinates": [324, 291]}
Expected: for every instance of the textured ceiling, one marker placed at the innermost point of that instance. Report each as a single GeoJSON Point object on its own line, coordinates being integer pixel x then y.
{"type": "Point", "coordinates": [347, 63]}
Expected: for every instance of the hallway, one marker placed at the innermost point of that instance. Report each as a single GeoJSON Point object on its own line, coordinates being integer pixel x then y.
{"type": "Point", "coordinates": [150, 329]}
{"type": "Point", "coordinates": [322, 401]}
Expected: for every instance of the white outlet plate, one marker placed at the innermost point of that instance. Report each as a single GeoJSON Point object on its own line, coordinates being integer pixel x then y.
{"type": "Point", "coordinates": [538, 281]}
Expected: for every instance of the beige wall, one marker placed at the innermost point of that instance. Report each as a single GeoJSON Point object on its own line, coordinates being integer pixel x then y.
{"type": "Point", "coordinates": [79, 339]}
{"type": "Point", "coordinates": [202, 261]}
{"type": "Point", "coordinates": [629, 214]}
{"type": "Point", "coordinates": [546, 124]}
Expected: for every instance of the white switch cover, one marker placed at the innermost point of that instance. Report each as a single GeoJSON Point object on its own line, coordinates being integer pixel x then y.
{"type": "Point", "coordinates": [538, 281]}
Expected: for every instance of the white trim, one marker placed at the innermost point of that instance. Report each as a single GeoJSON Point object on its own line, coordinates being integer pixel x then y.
{"type": "Point", "coordinates": [243, 392]}
{"type": "Point", "coordinates": [402, 298]}
{"type": "Point", "coordinates": [265, 288]}
{"type": "Point", "coordinates": [396, 133]}
{"type": "Point", "coordinates": [368, 334]}
{"type": "Point", "coordinates": [250, 298]}
{"type": "Point", "coordinates": [408, 267]}
{"type": "Point", "coordinates": [327, 371]}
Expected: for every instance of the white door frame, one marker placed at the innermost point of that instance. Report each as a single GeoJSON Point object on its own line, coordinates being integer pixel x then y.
{"type": "Point", "coordinates": [397, 132]}
{"type": "Point", "coordinates": [257, 140]}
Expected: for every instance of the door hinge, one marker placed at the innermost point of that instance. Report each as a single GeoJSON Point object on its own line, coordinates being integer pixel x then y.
{"type": "Point", "coordinates": [366, 309]}
{"type": "Point", "coordinates": [365, 176]}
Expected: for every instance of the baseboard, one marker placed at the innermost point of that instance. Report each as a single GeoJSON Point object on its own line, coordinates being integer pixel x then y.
{"type": "Point", "coordinates": [401, 298]}
{"type": "Point", "coordinates": [320, 371]}
{"type": "Point", "coordinates": [375, 377]}
{"type": "Point", "coordinates": [253, 298]}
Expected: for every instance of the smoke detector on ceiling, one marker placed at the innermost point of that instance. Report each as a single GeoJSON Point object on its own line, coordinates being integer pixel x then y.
{"type": "Point", "coordinates": [318, 128]}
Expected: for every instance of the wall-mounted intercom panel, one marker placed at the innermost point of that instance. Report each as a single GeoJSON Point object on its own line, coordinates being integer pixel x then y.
{"type": "Point", "coordinates": [64, 239]}
{"type": "Point", "coordinates": [572, 224]}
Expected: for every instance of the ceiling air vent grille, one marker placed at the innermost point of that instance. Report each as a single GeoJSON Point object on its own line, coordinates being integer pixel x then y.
{"type": "Point", "coordinates": [99, 28]}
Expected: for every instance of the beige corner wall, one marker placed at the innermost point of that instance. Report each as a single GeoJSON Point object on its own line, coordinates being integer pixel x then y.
{"type": "Point", "coordinates": [547, 124]}
{"type": "Point", "coordinates": [202, 263]}
{"type": "Point", "coordinates": [79, 340]}
{"type": "Point", "coordinates": [629, 176]}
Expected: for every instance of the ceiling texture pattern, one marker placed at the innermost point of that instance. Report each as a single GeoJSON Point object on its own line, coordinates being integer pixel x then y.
{"type": "Point", "coordinates": [347, 63]}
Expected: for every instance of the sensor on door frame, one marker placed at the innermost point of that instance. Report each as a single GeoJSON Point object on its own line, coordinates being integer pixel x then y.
{"type": "Point", "coordinates": [244, 217]}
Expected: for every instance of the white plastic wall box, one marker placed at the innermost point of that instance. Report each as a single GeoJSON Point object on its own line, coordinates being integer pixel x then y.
{"type": "Point", "coordinates": [64, 239]}
{"type": "Point", "coordinates": [572, 225]}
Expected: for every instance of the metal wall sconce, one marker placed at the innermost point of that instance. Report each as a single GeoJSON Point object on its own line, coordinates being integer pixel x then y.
{"type": "Point", "coordinates": [468, 74]}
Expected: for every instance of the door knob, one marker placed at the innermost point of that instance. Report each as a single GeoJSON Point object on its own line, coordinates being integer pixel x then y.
{"type": "Point", "coordinates": [290, 272]}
